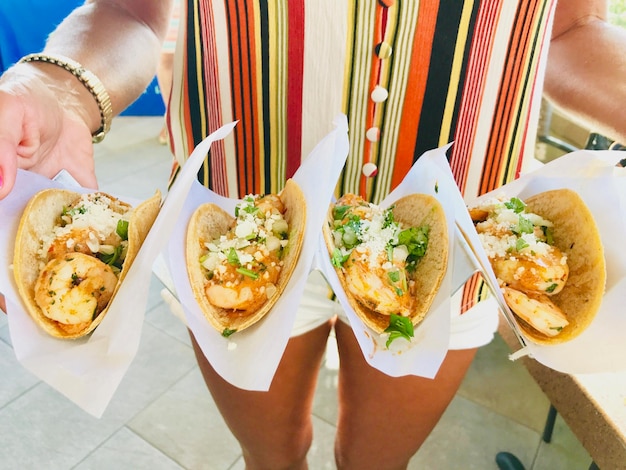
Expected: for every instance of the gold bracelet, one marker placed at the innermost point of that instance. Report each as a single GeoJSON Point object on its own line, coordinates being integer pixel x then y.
{"type": "Point", "coordinates": [89, 81]}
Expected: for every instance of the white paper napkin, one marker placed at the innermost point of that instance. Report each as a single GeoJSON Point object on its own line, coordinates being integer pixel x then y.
{"type": "Point", "coordinates": [424, 354]}
{"type": "Point", "coordinates": [88, 370]}
{"type": "Point", "coordinates": [237, 359]}
{"type": "Point", "coordinates": [593, 175]}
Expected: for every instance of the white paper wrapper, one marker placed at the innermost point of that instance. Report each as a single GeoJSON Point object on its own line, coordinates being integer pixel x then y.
{"type": "Point", "coordinates": [423, 355]}
{"type": "Point", "coordinates": [88, 370]}
{"type": "Point", "coordinates": [593, 175]}
{"type": "Point", "coordinates": [249, 358]}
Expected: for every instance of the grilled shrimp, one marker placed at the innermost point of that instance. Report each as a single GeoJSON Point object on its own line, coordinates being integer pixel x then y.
{"type": "Point", "coordinates": [358, 205]}
{"type": "Point", "coordinates": [74, 289]}
{"type": "Point", "coordinates": [75, 241]}
{"type": "Point", "coordinates": [80, 240]}
{"type": "Point", "coordinates": [230, 288]}
{"type": "Point", "coordinates": [270, 203]}
{"type": "Point", "coordinates": [540, 274]}
{"type": "Point", "coordinates": [384, 288]}
{"type": "Point", "coordinates": [537, 310]}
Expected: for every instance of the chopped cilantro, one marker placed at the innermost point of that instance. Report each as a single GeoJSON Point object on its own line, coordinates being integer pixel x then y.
{"type": "Point", "coordinates": [112, 259]}
{"type": "Point", "coordinates": [122, 229]}
{"type": "Point", "coordinates": [524, 225]}
{"type": "Point", "coordinates": [338, 259]}
{"type": "Point", "coordinates": [551, 288]}
{"type": "Point", "coordinates": [227, 332]}
{"type": "Point", "coordinates": [232, 257]}
{"type": "Point", "coordinates": [399, 327]}
{"type": "Point", "coordinates": [515, 204]}
{"type": "Point", "coordinates": [520, 244]}
{"type": "Point", "coordinates": [339, 212]}
{"type": "Point", "coordinates": [248, 273]}
{"type": "Point", "coordinates": [389, 221]}
{"type": "Point", "coordinates": [416, 241]}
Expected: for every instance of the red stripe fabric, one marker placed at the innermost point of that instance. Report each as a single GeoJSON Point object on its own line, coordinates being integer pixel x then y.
{"type": "Point", "coordinates": [295, 57]}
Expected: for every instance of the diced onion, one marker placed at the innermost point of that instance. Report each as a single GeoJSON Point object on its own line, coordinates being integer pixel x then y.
{"type": "Point", "coordinates": [280, 226]}
{"type": "Point", "coordinates": [272, 243]}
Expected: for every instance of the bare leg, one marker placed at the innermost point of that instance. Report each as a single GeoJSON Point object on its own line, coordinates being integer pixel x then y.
{"type": "Point", "coordinates": [384, 420]}
{"type": "Point", "coordinates": [274, 428]}
{"type": "Point", "coordinates": [164, 75]}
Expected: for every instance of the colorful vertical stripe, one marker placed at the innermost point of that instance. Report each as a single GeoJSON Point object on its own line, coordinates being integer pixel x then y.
{"type": "Point", "coordinates": [462, 71]}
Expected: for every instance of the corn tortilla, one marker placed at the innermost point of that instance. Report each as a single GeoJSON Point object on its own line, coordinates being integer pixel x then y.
{"type": "Point", "coordinates": [207, 223]}
{"type": "Point", "coordinates": [577, 236]}
{"type": "Point", "coordinates": [410, 211]}
{"type": "Point", "coordinates": [40, 215]}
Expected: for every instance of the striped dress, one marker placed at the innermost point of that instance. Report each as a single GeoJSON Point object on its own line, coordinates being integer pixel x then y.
{"type": "Point", "coordinates": [470, 72]}
{"type": "Point", "coordinates": [462, 71]}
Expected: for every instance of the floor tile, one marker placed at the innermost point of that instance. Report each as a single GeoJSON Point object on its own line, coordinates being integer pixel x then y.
{"type": "Point", "coordinates": [42, 429]}
{"type": "Point", "coordinates": [504, 386]}
{"type": "Point", "coordinates": [186, 426]}
{"type": "Point", "coordinates": [15, 379]}
{"type": "Point", "coordinates": [162, 318]}
{"type": "Point", "coordinates": [321, 454]}
{"type": "Point", "coordinates": [325, 405]}
{"type": "Point", "coordinates": [160, 362]}
{"type": "Point", "coordinates": [125, 450]}
{"type": "Point", "coordinates": [5, 335]}
{"type": "Point", "coordinates": [564, 451]}
{"type": "Point", "coordinates": [469, 436]}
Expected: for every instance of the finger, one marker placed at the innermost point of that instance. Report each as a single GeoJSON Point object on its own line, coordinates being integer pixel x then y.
{"type": "Point", "coordinates": [8, 167]}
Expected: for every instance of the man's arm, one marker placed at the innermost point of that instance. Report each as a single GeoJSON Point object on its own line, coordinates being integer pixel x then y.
{"type": "Point", "coordinates": [586, 71]}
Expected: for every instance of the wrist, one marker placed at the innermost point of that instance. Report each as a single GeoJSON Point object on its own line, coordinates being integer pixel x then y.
{"type": "Point", "coordinates": [93, 102]}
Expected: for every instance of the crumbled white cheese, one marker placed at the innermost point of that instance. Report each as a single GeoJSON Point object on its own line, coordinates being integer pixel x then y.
{"type": "Point", "coordinates": [497, 232]}
{"type": "Point", "coordinates": [91, 213]}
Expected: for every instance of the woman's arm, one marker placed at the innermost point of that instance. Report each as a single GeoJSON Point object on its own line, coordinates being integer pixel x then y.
{"type": "Point", "coordinates": [586, 72]}
{"type": "Point", "coordinates": [47, 116]}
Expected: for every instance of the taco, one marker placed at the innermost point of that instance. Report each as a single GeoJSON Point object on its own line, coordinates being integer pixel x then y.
{"type": "Point", "coordinates": [72, 252]}
{"type": "Point", "coordinates": [390, 262]}
{"type": "Point", "coordinates": [547, 255]}
{"type": "Point", "coordinates": [239, 266]}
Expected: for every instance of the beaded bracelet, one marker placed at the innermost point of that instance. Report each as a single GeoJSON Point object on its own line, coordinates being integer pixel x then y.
{"type": "Point", "coordinates": [89, 81]}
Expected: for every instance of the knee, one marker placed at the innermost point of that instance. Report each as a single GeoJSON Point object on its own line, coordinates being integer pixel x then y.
{"type": "Point", "coordinates": [285, 451]}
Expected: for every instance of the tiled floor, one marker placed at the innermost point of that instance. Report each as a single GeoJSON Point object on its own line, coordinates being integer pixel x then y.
{"type": "Point", "coordinates": [162, 416]}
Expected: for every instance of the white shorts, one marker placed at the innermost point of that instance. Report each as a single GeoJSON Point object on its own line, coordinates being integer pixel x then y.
{"type": "Point", "coordinates": [473, 329]}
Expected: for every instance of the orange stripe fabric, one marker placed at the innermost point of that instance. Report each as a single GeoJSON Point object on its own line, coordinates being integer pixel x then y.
{"type": "Point", "coordinates": [412, 110]}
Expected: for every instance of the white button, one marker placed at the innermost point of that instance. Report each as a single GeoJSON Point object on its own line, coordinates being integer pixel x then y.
{"type": "Point", "coordinates": [373, 134]}
{"type": "Point", "coordinates": [379, 94]}
{"type": "Point", "coordinates": [370, 170]}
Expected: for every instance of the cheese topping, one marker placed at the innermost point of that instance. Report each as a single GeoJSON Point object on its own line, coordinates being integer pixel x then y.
{"type": "Point", "coordinates": [509, 229]}
{"type": "Point", "coordinates": [257, 232]}
{"type": "Point", "coordinates": [93, 221]}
